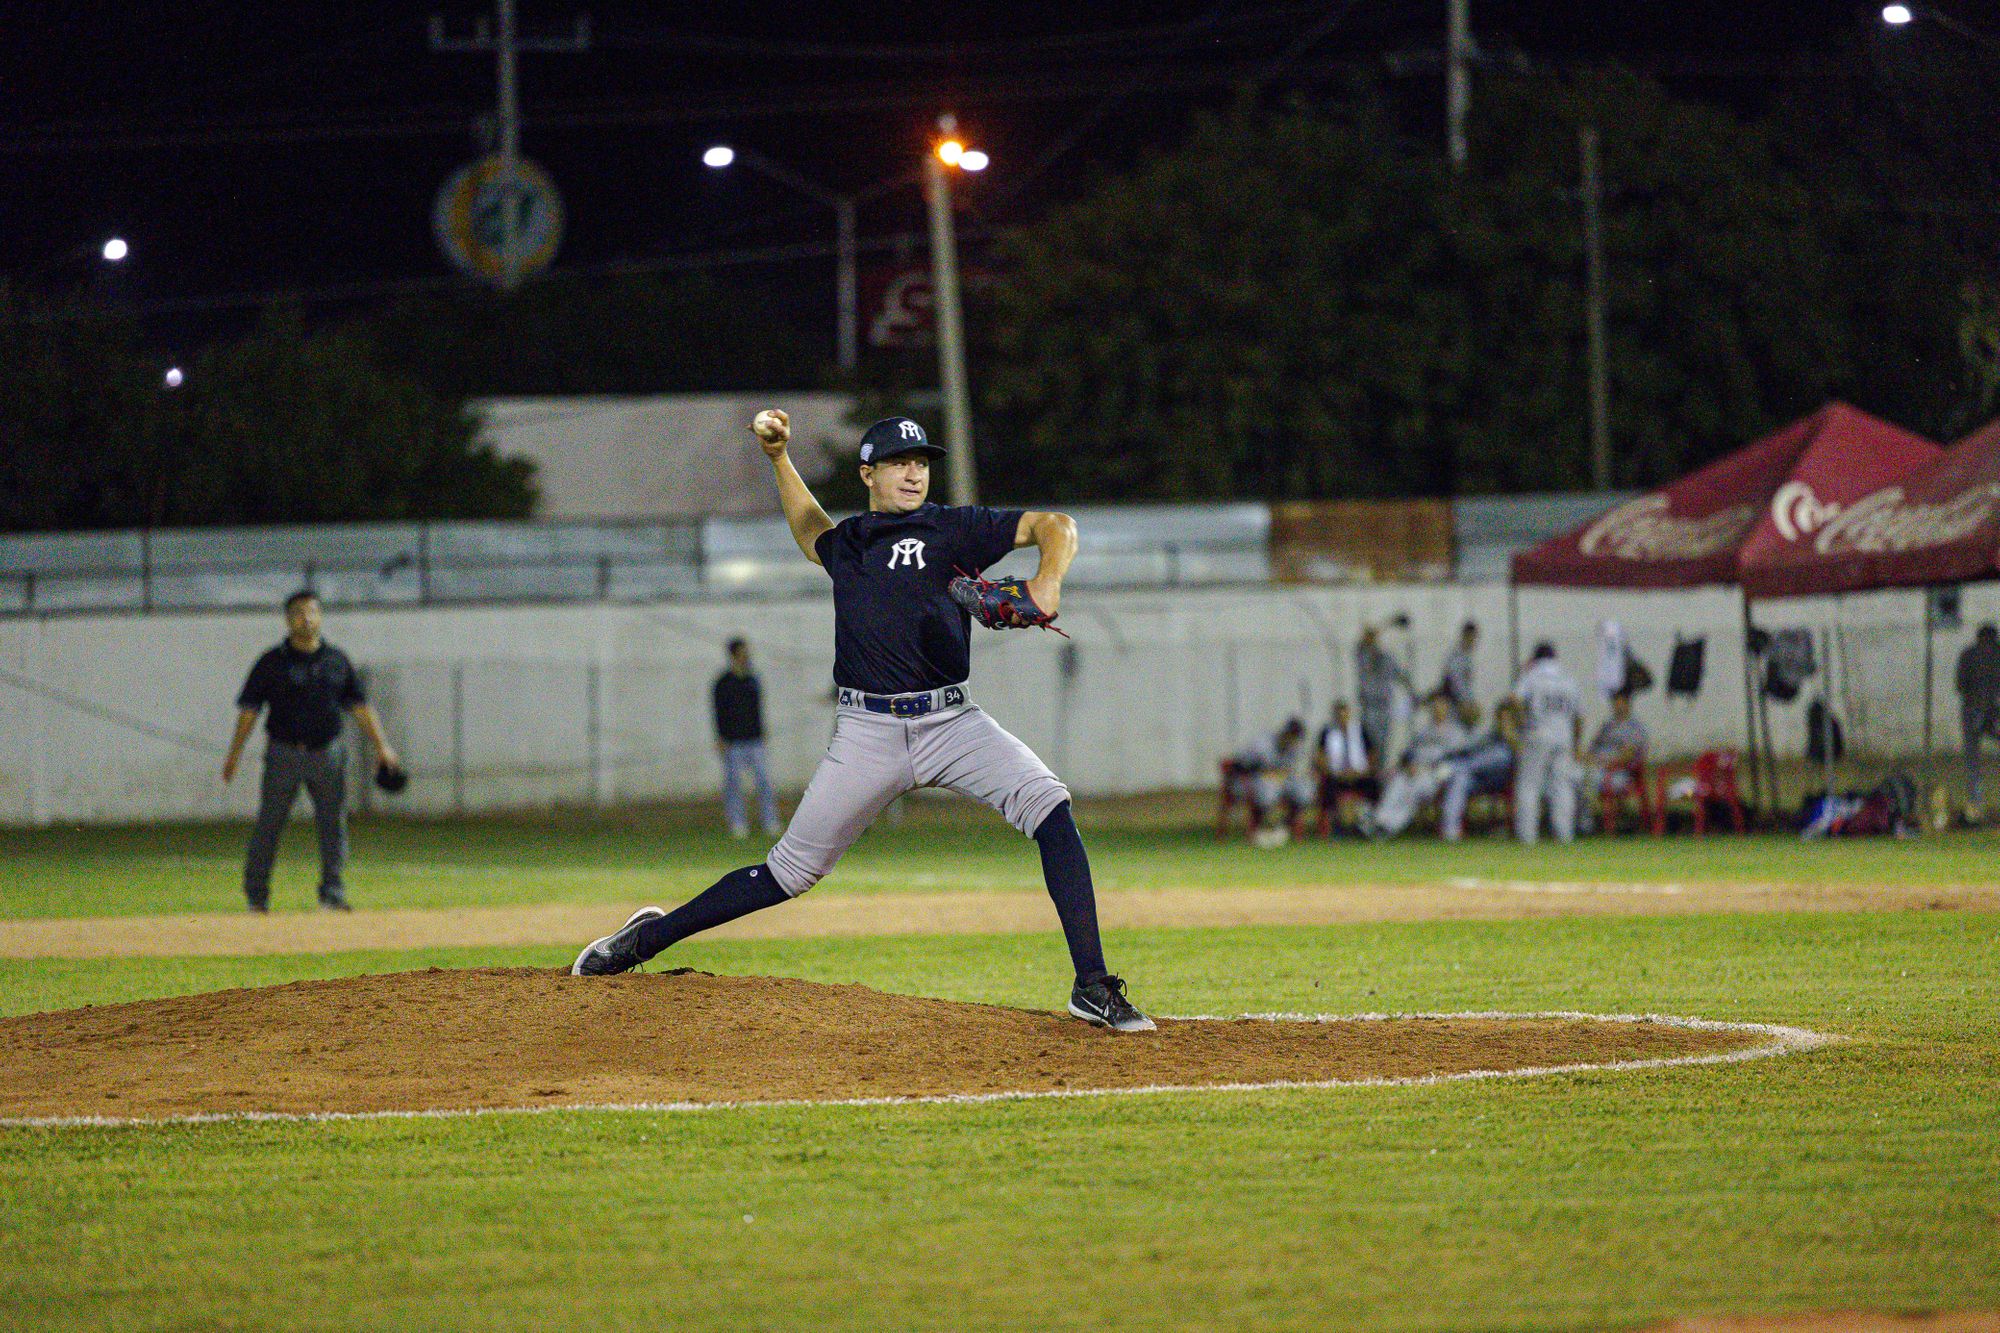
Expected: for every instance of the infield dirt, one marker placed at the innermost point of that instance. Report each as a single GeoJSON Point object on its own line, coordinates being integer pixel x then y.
{"type": "Point", "coordinates": [522, 1037]}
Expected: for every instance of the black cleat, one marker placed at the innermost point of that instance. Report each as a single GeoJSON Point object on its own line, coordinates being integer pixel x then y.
{"type": "Point", "coordinates": [1102, 1003]}
{"type": "Point", "coordinates": [336, 905]}
{"type": "Point", "coordinates": [616, 952]}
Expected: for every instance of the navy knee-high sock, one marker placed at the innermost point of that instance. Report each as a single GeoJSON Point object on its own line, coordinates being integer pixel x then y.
{"type": "Point", "coordinates": [1066, 867]}
{"type": "Point", "coordinates": [738, 893]}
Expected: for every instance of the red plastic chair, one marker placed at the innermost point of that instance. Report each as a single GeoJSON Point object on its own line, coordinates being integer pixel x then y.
{"type": "Point", "coordinates": [1226, 802]}
{"type": "Point", "coordinates": [1714, 774]}
{"type": "Point", "coordinates": [1332, 795]}
{"type": "Point", "coordinates": [1230, 773]}
{"type": "Point", "coordinates": [1612, 801]}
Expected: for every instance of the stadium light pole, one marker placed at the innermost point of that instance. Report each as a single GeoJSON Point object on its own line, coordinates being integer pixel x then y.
{"type": "Point", "coordinates": [847, 338]}
{"type": "Point", "coordinates": [951, 152]}
{"type": "Point", "coordinates": [1903, 15]}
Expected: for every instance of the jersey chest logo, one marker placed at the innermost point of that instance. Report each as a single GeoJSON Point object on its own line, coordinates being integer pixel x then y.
{"type": "Point", "coordinates": [909, 551]}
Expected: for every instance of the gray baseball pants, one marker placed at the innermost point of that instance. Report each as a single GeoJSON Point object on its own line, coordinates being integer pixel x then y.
{"type": "Point", "coordinates": [323, 773]}
{"type": "Point", "coordinates": [874, 758]}
{"type": "Point", "coordinates": [1545, 772]}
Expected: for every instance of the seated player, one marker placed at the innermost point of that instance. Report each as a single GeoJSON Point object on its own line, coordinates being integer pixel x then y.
{"type": "Point", "coordinates": [1424, 771]}
{"type": "Point", "coordinates": [1343, 763]}
{"type": "Point", "coordinates": [1485, 767]}
{"type": "Point", "coordinates": [1264, 777]}
{"type": "Point", "coordinates": [1616, 758]}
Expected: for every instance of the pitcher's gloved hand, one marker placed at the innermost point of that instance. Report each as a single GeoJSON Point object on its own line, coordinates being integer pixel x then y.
{"type": "Point", "coordinates": [1000, 605]}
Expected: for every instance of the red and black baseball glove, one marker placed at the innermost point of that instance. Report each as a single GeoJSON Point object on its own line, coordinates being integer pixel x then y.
{"type": "Point", "coordinates": [1000, 605]}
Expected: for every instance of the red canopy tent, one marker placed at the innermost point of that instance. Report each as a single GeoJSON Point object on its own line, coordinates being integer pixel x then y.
{"type": "Point", "coordinates": [1700, 529]}
{"type": "Point", "coordinates": [1680, 536]}
{"type": "Point", "coordinates": [1937, 523]}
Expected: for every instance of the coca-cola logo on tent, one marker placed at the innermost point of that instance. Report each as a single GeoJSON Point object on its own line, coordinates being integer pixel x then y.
{"type": "Point", "coordinates": [1884, 522]}
{"type": "Point", "coordinates": [1644, 530]}
{"type": "Point", "coordinates": [1797, 511]}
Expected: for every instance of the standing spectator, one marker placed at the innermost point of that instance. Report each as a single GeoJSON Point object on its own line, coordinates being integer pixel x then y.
{"type": "Point", "coordinates": [1617, 756]}
{"type": "Point", "coordinates": [1377, 677]}
{"type": "Point", "coordinates": [1343, 762]}
{"type": "Point", "coordinates": [1485, 767]}
{"type": "Point", "coordinates": [305, 682]}
{"type": "Point", "coordinates": [1978, 681]}
{"type": "Point", "coordinates": [1424, 771]}
{"type": "Point", "coordinates": [738, 699]}
{"type": "Point", "coordinates": [1551, 721]}
{"type": "Point", "coordinates": [1457, 684]}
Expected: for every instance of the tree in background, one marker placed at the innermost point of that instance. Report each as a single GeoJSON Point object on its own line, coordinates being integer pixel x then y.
{"type": "Point", "coordinates": [1299, 304]}
{"type": "Point", "coordinates": [631, 333]}
{"type": "Point", "coordinates": [282, 426]}
{"type": "Point", "coordinates": [291, 427]}
{"type": "Point", "coordinates": [1895, 156]}
{"type": "Point", "coordinates": [79, 420]}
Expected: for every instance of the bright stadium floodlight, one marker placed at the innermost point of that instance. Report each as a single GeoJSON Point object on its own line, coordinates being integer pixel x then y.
{"type": "Point", "coordinates": [1896, 15]}
{"type": "Point", "coordinates": [951, 152]}
{"type": "Point", "coordinates": [719, 156]}
{"type": "Point", "coordinates": [973, 160]}
{"type": "Point", "coordinates": [115, 250]}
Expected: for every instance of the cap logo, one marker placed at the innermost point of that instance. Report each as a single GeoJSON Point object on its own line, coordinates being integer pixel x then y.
{"type": "Point", "coordinates": [912, 431]}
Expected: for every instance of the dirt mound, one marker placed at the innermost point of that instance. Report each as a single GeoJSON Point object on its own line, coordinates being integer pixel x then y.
{"type": "Point", "coordinates": [521, 1037]}
{"type": "Point", "coordinates": [1837, 1321]}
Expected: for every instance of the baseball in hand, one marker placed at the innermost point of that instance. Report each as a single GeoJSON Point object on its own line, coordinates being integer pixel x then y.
{"type": "Point", "coordinates": [772, 426]}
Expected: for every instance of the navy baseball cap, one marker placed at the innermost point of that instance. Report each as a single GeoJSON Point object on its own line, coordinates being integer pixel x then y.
{"type": "Point", "coordinates": [896, 435]}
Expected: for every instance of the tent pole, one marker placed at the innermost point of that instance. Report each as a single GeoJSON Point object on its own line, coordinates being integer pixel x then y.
{"type": "Point", "coordinates": [1513, 631]}
{"type": "Point", "coordinates": [1826, 682]}
{"type": "Point", "coordinates": [1750, 716]}
{"type": "Point", "coordinates": [1930, 671]}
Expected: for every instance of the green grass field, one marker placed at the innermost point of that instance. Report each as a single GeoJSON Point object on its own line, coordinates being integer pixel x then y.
{"type": "Point", "coordinates": [1866, 1175]}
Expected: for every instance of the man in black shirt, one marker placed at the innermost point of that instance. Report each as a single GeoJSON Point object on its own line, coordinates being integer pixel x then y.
{"type": "Point", "coordinates": [901, 655]}
{"type": "Point", "coordinates": [305, 682]}
{"type": "Point", "coordinates": [1978, 681]}
{"type": "Point", "coordinates": [738, 701]}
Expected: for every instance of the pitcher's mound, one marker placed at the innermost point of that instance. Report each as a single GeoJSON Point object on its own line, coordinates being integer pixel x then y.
{"type": "Point", "coordinates": [1841, 1321]}
{"type": "Point", "coordinates": [520, 1037]}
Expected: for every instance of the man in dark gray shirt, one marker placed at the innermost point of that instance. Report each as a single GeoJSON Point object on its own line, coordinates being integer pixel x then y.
{"type": "Point", "coordinates": [306, 683]}
{"type": "Point", "coordinates": [1979, 704]}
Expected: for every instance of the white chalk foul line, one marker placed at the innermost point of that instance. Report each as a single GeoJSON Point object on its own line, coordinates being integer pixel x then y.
{"type": "Point", "coordinates": [1783, 1041]}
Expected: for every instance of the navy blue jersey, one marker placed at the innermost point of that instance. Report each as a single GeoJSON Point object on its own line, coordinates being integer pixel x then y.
{"type": "Point", "coordinates": [896, 630]}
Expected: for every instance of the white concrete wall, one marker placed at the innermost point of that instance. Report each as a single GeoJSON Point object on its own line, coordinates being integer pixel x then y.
{"type": "Point", "coordinates": [1151, 691]}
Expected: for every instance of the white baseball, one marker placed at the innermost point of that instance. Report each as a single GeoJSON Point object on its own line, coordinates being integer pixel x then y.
{"type": "Point", "coordinates": [767, 424]}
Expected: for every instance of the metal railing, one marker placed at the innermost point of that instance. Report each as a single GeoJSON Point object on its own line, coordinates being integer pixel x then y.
{"type": "Point", "coordinates": [426, 565]}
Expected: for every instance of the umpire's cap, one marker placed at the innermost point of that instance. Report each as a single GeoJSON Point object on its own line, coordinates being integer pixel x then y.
{"type": "Point", "coordinates": [896, 435]}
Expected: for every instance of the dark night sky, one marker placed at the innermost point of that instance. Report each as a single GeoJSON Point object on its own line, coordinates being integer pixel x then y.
{"type": "Point", "coordinates": [210, 215]}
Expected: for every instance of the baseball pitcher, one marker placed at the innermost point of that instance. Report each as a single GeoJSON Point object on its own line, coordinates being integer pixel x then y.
{"type": "Point", "coordinates": [906, 589]}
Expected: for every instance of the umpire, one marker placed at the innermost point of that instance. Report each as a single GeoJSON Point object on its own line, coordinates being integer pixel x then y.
{"type": "Point", "coordinates": [305, 682]}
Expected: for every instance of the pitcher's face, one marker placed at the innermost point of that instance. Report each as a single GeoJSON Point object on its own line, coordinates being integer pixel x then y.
{"type": "Point", "coordinates": [897, 485]}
